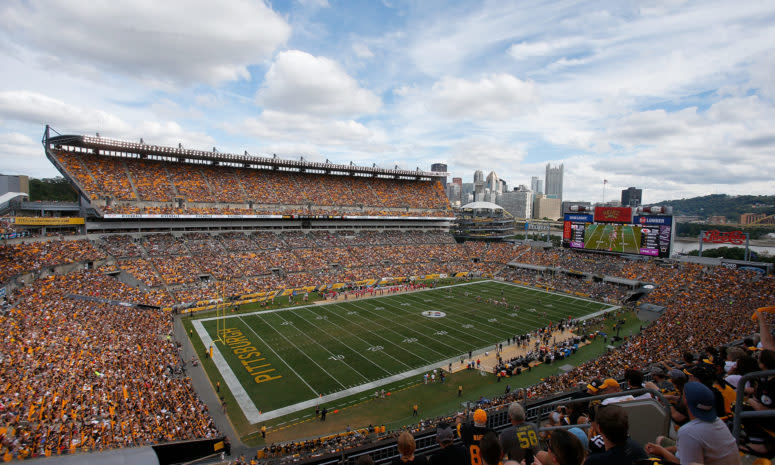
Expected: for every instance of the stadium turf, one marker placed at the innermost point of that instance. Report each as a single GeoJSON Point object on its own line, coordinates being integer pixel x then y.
{"type": "Point", "coordinates": [340, 348]}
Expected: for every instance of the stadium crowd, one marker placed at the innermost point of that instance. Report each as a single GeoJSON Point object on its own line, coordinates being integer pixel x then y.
{"type": "Point", "coordinates": [31, 255]}
{"type": "Point", "coordinates": [81, 376]}
{"type": "Point", "coordinates": [228, 190]}
{"type": "Point", "coordinates": [77, 378]}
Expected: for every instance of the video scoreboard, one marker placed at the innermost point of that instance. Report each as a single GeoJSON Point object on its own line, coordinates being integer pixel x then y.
{"type": "Point", "coordinates": [615, 229]}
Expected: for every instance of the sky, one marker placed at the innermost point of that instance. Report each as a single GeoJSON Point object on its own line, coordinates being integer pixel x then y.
{"type": "Point", "coordinates": [675, 97]}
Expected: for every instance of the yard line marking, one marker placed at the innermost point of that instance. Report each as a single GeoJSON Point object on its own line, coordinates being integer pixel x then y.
{"type": "Point", "coordinates": [386, 339]}
{"type": "Point", "coordinates": [327, 398]}
{"type": "Point", "coordinates": [457, 350]}
{"type": "Point", "coordinates": [369, 344]}
{"type": "Point", "coordinates": [470, 314]}
{"type": "Point", "coordinates": [300, 351]}
{"type": "Point", "coordinates": [346, 345]}
{"type": "Point", "coordinates": [327, 350]}
{"type": "Point", "coordinates": [278, 356]}
{"type": "Point", "coordinates": [285, 309]}
{"type": "Point", "coordinates": [436, 324]}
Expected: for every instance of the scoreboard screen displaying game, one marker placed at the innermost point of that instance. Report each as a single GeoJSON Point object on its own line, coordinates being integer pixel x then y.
{"type": "Point", "coordinates": [642, 235]}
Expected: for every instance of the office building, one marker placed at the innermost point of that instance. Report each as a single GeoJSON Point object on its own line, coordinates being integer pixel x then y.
{"type": "Point", "coordinates": [632, 197]}
{"type": "Point", "coordinates": [554, 181]}
{"type": "Point", "coordinates": [440, 168]}
{"type": "Point", "coordinates": [519, 202]}
{"type": "Point", "coordinates": [545, 207]}
{"type": "Point", "coordinates": [11, 183]}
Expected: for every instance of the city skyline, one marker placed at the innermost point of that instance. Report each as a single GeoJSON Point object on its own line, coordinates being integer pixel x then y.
{"type": "Point", "coordinates": [640, 95]}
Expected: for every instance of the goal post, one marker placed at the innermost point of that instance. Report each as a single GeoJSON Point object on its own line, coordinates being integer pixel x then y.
{"type": "Point", "coordinates": [220, 317]}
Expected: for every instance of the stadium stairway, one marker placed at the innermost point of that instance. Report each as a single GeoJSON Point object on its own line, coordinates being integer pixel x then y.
{"type": "Point", "coordinates": [129, 177]}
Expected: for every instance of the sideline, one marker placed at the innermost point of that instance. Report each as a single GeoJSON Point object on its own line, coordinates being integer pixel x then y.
{"type": "Point", "coordinates": [240, 395]}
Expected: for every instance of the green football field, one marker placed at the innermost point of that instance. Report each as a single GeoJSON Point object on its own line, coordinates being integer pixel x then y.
{"type": "Point", "coordinates": [622, 238]}
{"type": "Point", "coordinates": [277, 362]}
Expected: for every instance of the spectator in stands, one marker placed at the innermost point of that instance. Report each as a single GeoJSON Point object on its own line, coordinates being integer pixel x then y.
{"type": "Point", "coordinates": [565, 448]}
{"type": "Point", "coordinates": [364, 460]}
{"type": "Point", "coordinates": [490, 450]}
{"type": "Point", "coordinates": [406, 448]}
{"type": "Point", "coordinates": [706, 374]}
{"type": "Point", "coordinates": [761, 432]}
{"type": "Point", "coordinates": [613, 424]}
{"type": "Point", "coordinates": [611, 386]}
{"type": "Point", "coordinates": [520, 435]}
{"type": "Point", "coordinates": [704, 439]}
{"type": "Point", "coordinates": [472, 432]}
{"type": "Point", "coordinates": [449, 452]}
{"type": "Point", "coordinates": [661, 383]}
{"type": "Point", "coordinates": [678, 410]}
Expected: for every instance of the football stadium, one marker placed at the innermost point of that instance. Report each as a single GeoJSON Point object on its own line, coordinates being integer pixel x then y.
{"type": "Point", "coordinates": [205, 307]}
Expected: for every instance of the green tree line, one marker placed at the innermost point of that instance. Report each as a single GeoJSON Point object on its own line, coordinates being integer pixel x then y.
{"type": "Point", "coordinates": [56, 189]}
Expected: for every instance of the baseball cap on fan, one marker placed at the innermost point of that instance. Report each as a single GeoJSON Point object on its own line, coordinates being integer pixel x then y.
{"type": "Point", "coordinates": [444, 433]}
{"type": "Point", "coordinates": [700, 401]}
{"type": "Point", "coordinates": [594, 385]}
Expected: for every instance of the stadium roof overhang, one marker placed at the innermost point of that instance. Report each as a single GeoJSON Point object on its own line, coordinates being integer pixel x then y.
{"type": "Point", "coordinates": [115, 147]}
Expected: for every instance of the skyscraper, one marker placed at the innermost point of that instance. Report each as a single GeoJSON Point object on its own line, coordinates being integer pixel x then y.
{"type": "Point", "coordinates": [554, 181]}
{"type": "Point", "coordinates": [440, 168]}
{"type": "Point", "coordinates": [493, 183]}
{"type": "Point", "coordinates": [518, 202]}
{"type": "Point", "coordinates": [478, 176]}
{"type": "Point", "coordinates": [534, 184]}
{"type": "Point", "coordinates": [632, 197]}
{"type": "Point", "coordinates": [455, 191]}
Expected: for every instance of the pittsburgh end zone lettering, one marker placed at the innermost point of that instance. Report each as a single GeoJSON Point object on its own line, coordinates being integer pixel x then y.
{"type": "Point", "coordinates": [248, 355]}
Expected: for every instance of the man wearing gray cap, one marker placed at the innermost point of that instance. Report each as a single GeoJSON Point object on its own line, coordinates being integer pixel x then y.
{"type": "Point", "coordinates": [705, 439]}
{"type": "Point", "coordinates": [450, 453]}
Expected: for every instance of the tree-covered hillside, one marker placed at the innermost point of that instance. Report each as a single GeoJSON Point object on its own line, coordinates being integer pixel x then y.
{"type": "Point", "coordinates": [723, 205]}
{"type": "Point", "coordinates": [52, 189]}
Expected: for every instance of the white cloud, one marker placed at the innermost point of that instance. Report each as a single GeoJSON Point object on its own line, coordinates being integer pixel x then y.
{"type": "Point", "coordinates": [39, 109]}
{"type": "Point", "coordinates": [166, 108]}
{"type": "Point", "coordinates": [29, 111]}
{"type": "Point", "coordinates": [298, 82]}
{"type": "Point", "coordinates": [170, 41]}
{"type": "Point", "coordinates": [485, 154]}
{"type": "Point", "coordinates": [295, 128]}
{"type": "Point", "coordinates": [524, 50]}
{"type": "Point", "coordinates": [362, 50]}
{"type": "Point", "coordinates": [314, 3]}
{"type": "Point", "coordinates": [494, 97]}
{"type": "Point", "coordinates": [20, 154]}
